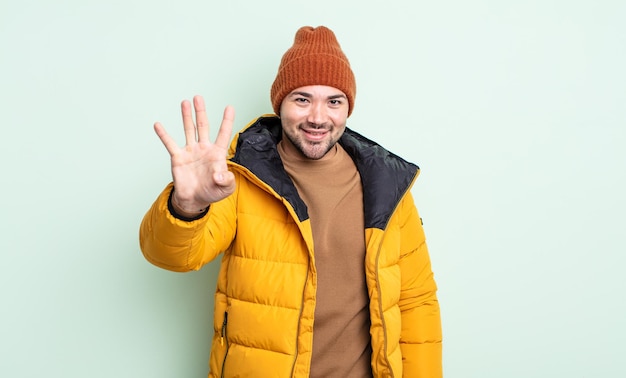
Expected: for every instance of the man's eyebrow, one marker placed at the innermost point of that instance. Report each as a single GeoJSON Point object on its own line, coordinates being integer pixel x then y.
{"type": "Point", "coordinates": [308, 95]}
{"type": "Point", "coordinates": [303, 94]}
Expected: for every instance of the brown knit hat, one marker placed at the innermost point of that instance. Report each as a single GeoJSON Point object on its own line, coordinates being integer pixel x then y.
{"type": "Point", "coordinates": [314, 59]}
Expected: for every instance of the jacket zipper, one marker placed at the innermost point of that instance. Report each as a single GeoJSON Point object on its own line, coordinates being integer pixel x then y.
{"type": "Point", "coordinates": [380, 309]}
{"type": "Point", "coordinates": [223, 337]}
{"type": "Point", "coordinates": [380, 301]}
{"type": "Point", "coordinates": [295, 358]}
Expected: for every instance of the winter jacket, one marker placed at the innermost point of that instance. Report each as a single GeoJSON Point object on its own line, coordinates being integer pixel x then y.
{"type": "Point", "coordinates": [265, 297]}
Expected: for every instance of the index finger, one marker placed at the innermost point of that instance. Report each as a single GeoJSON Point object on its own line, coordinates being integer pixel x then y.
{"type": "Point", "coordinates": [226, 128]}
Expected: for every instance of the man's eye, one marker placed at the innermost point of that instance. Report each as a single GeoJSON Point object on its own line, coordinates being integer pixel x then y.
{"type": "Point", "coordinates": [301, 99]}
{"type": "Point", "coordinates": [335, 102]}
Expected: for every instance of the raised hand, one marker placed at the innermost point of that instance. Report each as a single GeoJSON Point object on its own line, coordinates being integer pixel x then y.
{"type": "Point", "coordinates": [199, 169]}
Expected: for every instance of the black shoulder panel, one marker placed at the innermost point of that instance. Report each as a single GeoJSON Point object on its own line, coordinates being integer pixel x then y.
{"type": "Point", "coordinates": [256, 150]}
{"type": "Point", "coordinates": [385, 176]}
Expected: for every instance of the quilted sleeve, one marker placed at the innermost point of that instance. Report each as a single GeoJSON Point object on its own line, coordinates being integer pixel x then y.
{"type": "Point", "coordinates": [421, 335]}
{"type": "Point", "coordinates": [179, 245]}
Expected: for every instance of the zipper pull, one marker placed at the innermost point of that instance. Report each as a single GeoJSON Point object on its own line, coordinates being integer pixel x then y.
{"type": "Point", "coordinates": [224, 328]}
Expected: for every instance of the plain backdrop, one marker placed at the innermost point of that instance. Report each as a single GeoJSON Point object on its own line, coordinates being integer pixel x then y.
{"type": "Point", "coordinates": [514, 110]}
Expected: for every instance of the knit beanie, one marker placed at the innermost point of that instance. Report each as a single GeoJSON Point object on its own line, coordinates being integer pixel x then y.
{"type": "Point", "coordinates": [314, 59]}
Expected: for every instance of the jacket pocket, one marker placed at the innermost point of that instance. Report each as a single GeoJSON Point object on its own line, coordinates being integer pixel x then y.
{"type": "Point", "coordinates": [218, 343]}
{"type": "Point", "coordinates": [224, 340]}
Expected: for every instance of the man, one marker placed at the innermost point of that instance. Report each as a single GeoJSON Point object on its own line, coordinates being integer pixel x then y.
{"type": "Point", "coordinates": [325, 271]}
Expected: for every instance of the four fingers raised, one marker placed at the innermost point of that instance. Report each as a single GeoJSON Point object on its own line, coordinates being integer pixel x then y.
{"type": "Point", "coordinates": [198, 131]}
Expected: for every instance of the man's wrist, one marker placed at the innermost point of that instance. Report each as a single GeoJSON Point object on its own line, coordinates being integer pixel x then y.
{"type": "Point", "coordinates": [183, 213]}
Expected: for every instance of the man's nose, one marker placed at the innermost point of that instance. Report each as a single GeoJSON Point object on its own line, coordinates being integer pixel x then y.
{"type": "Point", "coordinates": [317, 114]}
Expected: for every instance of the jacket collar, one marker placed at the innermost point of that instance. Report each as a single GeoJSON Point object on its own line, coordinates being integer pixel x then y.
{"type": "Point", "coordinates": [386, 177]}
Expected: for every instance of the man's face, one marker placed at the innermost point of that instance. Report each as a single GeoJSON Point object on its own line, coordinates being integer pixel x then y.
{"type": "Point", "coordinates": [314, 118]}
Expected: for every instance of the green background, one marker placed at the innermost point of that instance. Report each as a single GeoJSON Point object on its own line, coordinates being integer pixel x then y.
{"type": "Point", "coordinates": [513, 109]}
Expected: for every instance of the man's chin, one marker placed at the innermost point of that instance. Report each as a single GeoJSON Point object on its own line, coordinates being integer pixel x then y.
{"type": "Point", "coordinates": [315, 151]}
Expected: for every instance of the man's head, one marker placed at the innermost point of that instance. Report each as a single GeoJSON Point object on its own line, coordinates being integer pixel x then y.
{"type": "Point", "coordinates": [313, 119]}
{"type": "Point", "coordinates": [314, 59]}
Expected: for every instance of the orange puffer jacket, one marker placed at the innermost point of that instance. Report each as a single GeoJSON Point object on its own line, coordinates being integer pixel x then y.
{"type": "Point", "coordinates": [265, 298]}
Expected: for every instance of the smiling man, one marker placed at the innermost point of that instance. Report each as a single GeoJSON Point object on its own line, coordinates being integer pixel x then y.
{"type": "Point", "coordinates": [325, 270]}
